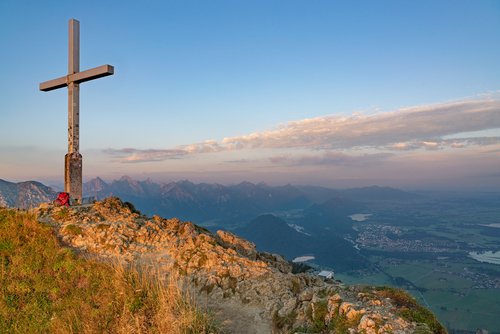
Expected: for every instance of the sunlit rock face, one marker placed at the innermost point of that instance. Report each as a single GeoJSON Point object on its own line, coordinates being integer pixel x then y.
{"type": "Point", "coordinates": [227, 272]}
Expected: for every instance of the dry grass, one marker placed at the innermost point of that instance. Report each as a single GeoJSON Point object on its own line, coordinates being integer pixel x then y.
{"type": "Point", "coordinates": [410, 310]}
{"type": "Point", "coordinates": [45, 288]}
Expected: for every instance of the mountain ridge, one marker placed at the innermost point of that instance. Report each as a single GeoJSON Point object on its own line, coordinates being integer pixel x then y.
{"type": "Point", "coordinates": [206, 202]}
{"type": "Point", "coordinates": [260, 195]}
{"type": "Point", "coordinates": [26, 194]}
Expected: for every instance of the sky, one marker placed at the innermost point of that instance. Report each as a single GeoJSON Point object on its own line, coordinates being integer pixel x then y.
{"type": "Point", "coordinates": [333, 93]}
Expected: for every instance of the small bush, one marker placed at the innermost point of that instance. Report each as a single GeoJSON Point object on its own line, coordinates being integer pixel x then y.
{"type": "Point", "coordinates": [131, 207]}
{"type": "Point", "coordinates": [73, 229]}
{"type": "Point", "coordinates": [284, 322]}
{"type": "Point", "coordinates": [319, 312]}
{"type": "Point", "coordinates": [340, 324]}
{"type": "Point", "coordinates": [102, 227]}
{"type": "Point", "coordinates": [296, 286]}
{"type": "Point", "coordinates": [62, 214]}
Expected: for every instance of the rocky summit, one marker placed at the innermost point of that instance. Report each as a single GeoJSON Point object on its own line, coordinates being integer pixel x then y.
{"type": "Point", "coordinates": [249, 291]}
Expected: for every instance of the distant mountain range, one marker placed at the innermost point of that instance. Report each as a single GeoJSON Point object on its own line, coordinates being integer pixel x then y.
{"type": "Point", "coordinates": [27, 194]}
{"type": "Point", "coordinates": [202, 203]}
{"type": "Point", "coordinates": [215, 204]}
{"type": "Point", "coordinates": [289, 220]}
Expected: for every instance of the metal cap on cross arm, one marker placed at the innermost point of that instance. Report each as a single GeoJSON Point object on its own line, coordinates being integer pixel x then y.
{"type": "Point", "coordinates": [73, 159]}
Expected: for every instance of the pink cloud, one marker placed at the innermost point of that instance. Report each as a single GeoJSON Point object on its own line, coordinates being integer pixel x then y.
{"type": "Point", "coordinates": [415, 128]}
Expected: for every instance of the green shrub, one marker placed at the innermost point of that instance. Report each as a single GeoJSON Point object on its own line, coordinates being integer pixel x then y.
{"type": "Point", "coordinates": [131, 207]}
{"type": "Point", "coordinates": [62, 214]}
{"type": "Point", "coordinates": [284, 322]}
{"type": "Point", "coordinates": [319, 311]}
{"type": "Point", "coordinates": [296, 286]}
{"type": "Point", "coordinates": [73, 229]}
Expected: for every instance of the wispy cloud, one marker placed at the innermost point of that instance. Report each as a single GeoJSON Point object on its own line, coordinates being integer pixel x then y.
{"type": "Point", "coordinates": [437, 144]}
{"type": "Point", "coordinates": [131, 155]}
{"type": "Point", "coordinates": [421, 127]}
{"type": "Point", "coordinates": [331, 158]}
{"type": "Point", "coordinates": [418, 123]}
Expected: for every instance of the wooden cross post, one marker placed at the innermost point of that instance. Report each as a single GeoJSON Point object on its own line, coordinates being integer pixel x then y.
{"type": "Point", "coordinates": [73, 160]}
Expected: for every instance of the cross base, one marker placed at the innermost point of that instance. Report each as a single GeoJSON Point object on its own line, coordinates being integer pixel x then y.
{"type": "Point", "coordinates": [73, 176]}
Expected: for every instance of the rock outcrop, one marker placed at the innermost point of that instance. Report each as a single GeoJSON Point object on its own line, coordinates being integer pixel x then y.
{"type": "Point", "coordinates": [251, 291]}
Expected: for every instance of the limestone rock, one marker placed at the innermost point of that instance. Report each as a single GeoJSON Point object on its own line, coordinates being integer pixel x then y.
{"type": "Point", "coordinates": [223, 269]}
{"type": "Point", "coordinates": [368, 325]}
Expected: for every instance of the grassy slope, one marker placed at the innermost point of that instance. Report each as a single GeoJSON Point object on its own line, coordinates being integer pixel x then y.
{"type": "Point", "coordinates": [409, 309]}
{"type": "Point", "coordinates": [46, 288]}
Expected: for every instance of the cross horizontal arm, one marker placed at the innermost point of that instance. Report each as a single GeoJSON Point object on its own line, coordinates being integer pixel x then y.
{"type": "Point", "coordinates": [54, 84]}
{"type": "Point", "coordinates": [93, 73]}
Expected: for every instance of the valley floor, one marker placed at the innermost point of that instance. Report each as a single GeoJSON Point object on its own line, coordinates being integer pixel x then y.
{"type": "Point", "coordinates": [430, 256]}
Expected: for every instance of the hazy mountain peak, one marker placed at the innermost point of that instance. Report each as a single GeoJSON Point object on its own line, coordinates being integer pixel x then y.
{"type": "Point", "coordinates": [246, 184]}
{"type": "Point", "coordinates": [149, 181]}
{"type": "Point", "coordinates": [97, 183]}
{"type": "Point", "coordinates": [185, 183]}
{"type": "Point", "coordinates": [127, 178]}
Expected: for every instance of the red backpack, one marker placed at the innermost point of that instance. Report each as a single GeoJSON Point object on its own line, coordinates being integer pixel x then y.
{"type": "Point", "coordinates": [62, 199]}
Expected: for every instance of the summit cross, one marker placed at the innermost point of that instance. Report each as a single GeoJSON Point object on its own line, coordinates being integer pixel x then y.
{"type": "Point", "coordinates": [73, 159]}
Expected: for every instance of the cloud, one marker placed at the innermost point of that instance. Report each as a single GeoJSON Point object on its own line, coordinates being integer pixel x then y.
{"type": "Point", "coordinates": [208, 146]}
{"type": "Point", "coordinates": [436, 144]}
{"type": "Point", "coordinates": [421, 127]}
{"type": "Point", "coordinates": [336, 132]}
{"type": "Point", "coordinates": [331, 158]}
{"type": "Point", "coordinates": [132, 155]}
